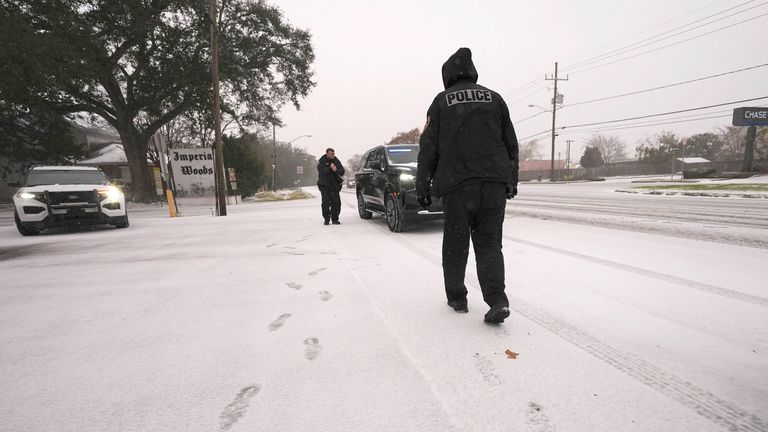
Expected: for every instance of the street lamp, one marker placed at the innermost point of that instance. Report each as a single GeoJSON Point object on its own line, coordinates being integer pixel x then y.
{"type": "Point", "coordinates": [274, 153]}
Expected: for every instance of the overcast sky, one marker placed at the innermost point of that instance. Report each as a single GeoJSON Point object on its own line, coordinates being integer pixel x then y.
{"type": "Point", "coordinates": [378, 63]}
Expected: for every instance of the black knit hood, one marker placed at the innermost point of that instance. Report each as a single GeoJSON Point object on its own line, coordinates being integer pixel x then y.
{"type": "Point", "coordinates": [459, 67]}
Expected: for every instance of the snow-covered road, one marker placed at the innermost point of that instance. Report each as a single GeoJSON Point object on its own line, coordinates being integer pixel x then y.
{"type": "Point", "coordinates": [266, 320]}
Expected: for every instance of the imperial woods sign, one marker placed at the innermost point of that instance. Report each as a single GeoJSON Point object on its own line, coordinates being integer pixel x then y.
{"type": "Point", "coordinates": [193, 171]}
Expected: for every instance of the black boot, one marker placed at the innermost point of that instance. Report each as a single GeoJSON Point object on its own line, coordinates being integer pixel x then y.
{"type": "Point", "coordinates": [497, 314]}
{"type": "Point", "coordinates": [459, 306]}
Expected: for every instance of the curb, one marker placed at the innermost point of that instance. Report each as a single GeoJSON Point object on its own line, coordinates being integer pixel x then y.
{"type": "Point", "coordinates": [696, 193]}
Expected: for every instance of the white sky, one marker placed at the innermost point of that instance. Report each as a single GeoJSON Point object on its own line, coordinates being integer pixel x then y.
{"type": "Point", "coordinates": [378, 63]}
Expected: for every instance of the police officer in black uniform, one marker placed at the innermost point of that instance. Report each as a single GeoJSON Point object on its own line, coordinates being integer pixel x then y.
{"type": "Point", "coordinates": [469, 157]}
{"type": "Point", "coordinates": [329, 179]}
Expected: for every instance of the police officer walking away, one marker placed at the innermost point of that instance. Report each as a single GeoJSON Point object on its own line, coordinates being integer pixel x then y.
{"type": "Point", "coordinates": [469, 157]}
{"type": "Point", "coordinates": [329, 173]}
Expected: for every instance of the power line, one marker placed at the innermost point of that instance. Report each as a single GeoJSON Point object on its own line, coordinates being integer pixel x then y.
{"type": "Point", "coordinates": [665, 113]}
{"type": "Point", "coordinates": [640, 118]}
{"type": "Point", "coordinates": [639, 44]}
{"type": "Point", "coordinates": [667, 86]}
{"type": "Point", "coordinates": [654, 27]}
{"type": "Point", "coordinates": [523, 88]}
{"type": "Point", "coordinates": [529, 117]}
{"type": "Point", "coordinates": [534, 135]}
{"type": "Point", "coordinates": [643, 125]}
{"type": "Point", "coordinates": [530, 84]}
{"type": "Point", "coordinates": [669, 45]}
{"type": "Point", "coordinates": [528, 95]}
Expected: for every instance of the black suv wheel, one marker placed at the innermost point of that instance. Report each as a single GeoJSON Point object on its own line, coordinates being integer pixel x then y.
{"type": "Point", "coordinates": [394, 213]}
{"type": "Point", "coordinates": [361, 210]}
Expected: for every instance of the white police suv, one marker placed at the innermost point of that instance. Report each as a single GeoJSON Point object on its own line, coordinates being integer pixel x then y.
{"type": "Point", "coordinates": [56, 196]}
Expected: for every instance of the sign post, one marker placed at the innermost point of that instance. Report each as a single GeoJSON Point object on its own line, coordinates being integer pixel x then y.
{"type": "Point", "coordinates": [751, 117]}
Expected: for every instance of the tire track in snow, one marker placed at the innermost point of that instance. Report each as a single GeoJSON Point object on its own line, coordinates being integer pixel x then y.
{"type": "Point", "coordinates": [699, 400]}
{"type": "Point", "coordinates": [711, 289]}
{"type": "Point", "coordinates": [449, 415]}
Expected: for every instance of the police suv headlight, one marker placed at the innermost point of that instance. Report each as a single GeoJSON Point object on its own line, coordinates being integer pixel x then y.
{"type": "Point", "coordinates": [405, 177]}
{"type": "Point", "coordinates": [39, 196]}
{"type": "Point", "coordinates": [111, 193]}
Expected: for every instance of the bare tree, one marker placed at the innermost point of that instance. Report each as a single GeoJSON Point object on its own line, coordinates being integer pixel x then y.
{"type": "Point", "coordinates": [410, 137]}
{"type": "Point", "coordinates": [530, 150]}
{"type": "Point", "coordinates": [734, 138]}
{"type": "Point", "coordinates": [354, 163]}
{"type": "Point", "coordinates": [611, 146]}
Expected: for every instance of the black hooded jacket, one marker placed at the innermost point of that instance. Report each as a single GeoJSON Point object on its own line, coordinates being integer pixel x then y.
{"type": "Point", "coordinates": [468, 136]}
{"type": "Point", "coordinates": [326, 176]}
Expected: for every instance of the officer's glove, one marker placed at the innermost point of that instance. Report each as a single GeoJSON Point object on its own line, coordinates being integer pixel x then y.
{"type": "Point", "coordinates": [511, 190]}
{"type": "Point", "coordinates": [424, 201]}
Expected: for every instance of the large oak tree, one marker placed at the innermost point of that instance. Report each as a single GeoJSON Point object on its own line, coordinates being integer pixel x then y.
{"type": "Point", "coordinates": [139, 64]}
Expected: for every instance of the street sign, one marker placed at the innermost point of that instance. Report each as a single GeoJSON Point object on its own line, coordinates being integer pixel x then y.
{"type": "Point", "coordinates": [750, 116]}
{"type": "Point", "coordinates": [299, 169]}
{"type": "Point", "coordinates": [234, 185]}
{"type": "Point", "coordinates": [231, 172]}
{"type": "Point", "coordinates": [158, 181]}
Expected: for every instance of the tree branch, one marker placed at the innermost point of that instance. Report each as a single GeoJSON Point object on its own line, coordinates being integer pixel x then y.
{"type": "Point", "coordinates": [73, 108]}
{"type": "Point", "coordinates": [168, 116]}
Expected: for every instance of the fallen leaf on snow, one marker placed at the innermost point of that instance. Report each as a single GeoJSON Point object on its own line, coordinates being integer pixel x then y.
{"type": "Point", "coordinates": [511, 354]}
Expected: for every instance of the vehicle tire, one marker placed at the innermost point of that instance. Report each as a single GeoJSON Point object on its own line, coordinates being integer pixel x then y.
{"type": "Point", "coordinates": [23, 230]}
{"type": "Point", "coordinates": [121, 222]}
{"type": "Point", "coordinates": [361, 210]}
{"type": "Point", "coordinates": [394, 213]}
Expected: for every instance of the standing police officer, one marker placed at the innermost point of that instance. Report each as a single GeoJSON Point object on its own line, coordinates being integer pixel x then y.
{"type": "Point", "coordinates": [329, 179]}
{"type": "Point", "coordinates": [469, 156]}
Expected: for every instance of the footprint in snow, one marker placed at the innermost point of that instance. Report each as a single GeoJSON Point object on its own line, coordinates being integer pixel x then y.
{"type": "Point", "coordinates": [315, 272]}
{"type": "Point", "coordinates": [486, 369]}
{"type": "Point", "coordinates": [501, 331]}
{"type": "Point", "coordinates": [234, 411]}
{"type": "Point", "coordinates": [293, 285]}
{"type": "Point", "coordinates": [312, 348]}
{"type": "Point", "coordinates": [276, 324]}
{"type": "Point", "coordinates": [538, 421]}
{"type": "Point", "coordinates": [325, 295]}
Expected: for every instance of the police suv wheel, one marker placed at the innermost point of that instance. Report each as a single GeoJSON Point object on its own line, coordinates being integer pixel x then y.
{"type": "Point", "coordinates": [23, 230]}
{"type": "Point", "coordinates": [121, 222]}
{"type": "Point", "coordinates": [361, 210]}
{"type": "Point", "coordinates": [394, 213]}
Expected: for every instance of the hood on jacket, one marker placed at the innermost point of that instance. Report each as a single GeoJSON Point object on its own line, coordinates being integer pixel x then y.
{"type": "Point", "coordinates": [459, 67]}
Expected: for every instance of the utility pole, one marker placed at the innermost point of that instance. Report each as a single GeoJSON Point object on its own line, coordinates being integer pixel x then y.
{"type": "Point", "coordinates": [221, 185]}
{"type": "Point", "coordinates": [274, 156]}
{"type": "Point", "coordinates": [568, 158]}
{"type": "Point", "coordinates": [749, 150]}
{"type": "Point", "coordinates": [558, 98]}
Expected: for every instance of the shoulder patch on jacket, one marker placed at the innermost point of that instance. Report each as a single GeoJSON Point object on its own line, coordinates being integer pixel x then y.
{"type": "Point", "coordinates": [468, 96]}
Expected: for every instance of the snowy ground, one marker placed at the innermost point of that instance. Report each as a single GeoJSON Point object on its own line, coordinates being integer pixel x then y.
{"type": "Point", "coordinates": [267, 320]}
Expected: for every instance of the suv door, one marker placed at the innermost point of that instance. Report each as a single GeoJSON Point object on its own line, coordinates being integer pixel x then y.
{"type": "Point", "coordinates": [379, 180]}
{"type": "Point", "coordinates": [366, 178]}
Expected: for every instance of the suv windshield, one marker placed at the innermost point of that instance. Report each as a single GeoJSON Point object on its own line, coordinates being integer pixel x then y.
{"type": "Point", "coordinates": [403, 155]}
{"type": "Point", "coordinates": [47, 177]}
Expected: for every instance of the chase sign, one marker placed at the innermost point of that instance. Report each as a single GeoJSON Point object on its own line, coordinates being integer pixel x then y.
{"type": "Point", "coordinates": [750, 117]}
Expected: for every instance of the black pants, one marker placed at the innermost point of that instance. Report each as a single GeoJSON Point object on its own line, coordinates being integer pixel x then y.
{"type": "Point", "coordinates": [331, 203]}
{"type": "Point", "coordinates": [476, 211]}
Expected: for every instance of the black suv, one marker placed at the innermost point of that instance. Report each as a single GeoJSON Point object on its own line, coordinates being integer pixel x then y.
{"type": "Point", "coordinates": [386, 184]}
